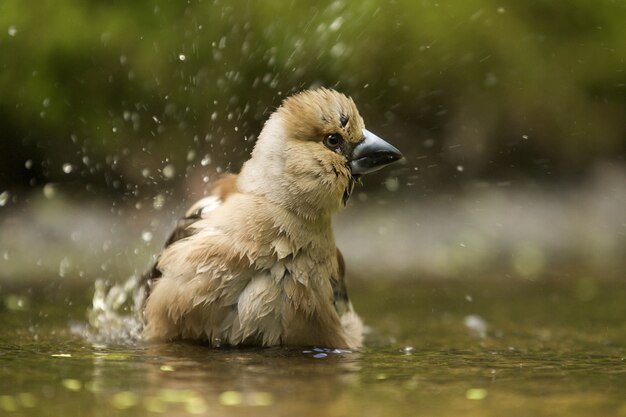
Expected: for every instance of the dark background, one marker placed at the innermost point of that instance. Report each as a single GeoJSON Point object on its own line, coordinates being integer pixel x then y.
{"type": "Point", "coordinates": [120, 108]}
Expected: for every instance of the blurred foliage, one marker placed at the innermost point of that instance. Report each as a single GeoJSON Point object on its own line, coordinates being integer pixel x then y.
{"type": "Point", "coordinates": [108, 93]}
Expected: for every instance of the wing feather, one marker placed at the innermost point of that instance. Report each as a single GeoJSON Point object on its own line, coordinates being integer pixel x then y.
{"type": "Point", "coordinates": [338, 283]}
{"type": "Point", "coordinates": [225, 186]}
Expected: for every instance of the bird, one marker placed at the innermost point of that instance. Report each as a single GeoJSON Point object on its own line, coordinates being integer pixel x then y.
{"type": "Point", "coordinates": [255, 263]}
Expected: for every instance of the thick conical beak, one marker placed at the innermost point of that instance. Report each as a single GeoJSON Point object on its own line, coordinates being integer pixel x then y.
{"type": "Point", "coordinates": [372, 154]}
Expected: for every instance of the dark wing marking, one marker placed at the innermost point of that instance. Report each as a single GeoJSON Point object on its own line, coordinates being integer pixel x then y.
{"type": "Point", "coordinates": [340, 291]}
{"type": "Point", "coordinates": [222, 188]}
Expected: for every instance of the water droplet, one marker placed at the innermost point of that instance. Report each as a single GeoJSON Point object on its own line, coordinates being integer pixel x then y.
{"type": "Point", "coordinates": [336, 25]}
{"type": "Point", "coordinates": [16, 303]}
{"type": "Point", "coordinates": [49, 190]}
{"type": "Point", "coordinates": [28, 164]}
{"type": "Point", "coordinates": [460, 168]}
{"type": "Point", "coordinates": [205, 161]}
{"type": "Point", "coordinates": [491, 79]}
{"type": "Point", "coordinates": [68, 168]}
{"type": "Point", "coordinates": [64, 266]}
{"type": "Point", "coordinates": [146, 236]}
{"type": "Point", "coordinates": [476, 324]}
{"type": "Point", "coordinates": [12, 31]}
{"type": "Point", "coordinates": [168, 171]}
{"type": "Point", "coordinates": [182, 57]}
{"type": "Point", "coordinates": [338, 50]}
{"type": "Point", "coordinates": [158, 201]}
{"type": "Point", "coordinates": [4, 198]}
{"type": "Point", "coordinates": [392, 184]}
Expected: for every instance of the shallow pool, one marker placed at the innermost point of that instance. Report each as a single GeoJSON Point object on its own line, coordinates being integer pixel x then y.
{"type": "Point", "coordinates": [503, 348]}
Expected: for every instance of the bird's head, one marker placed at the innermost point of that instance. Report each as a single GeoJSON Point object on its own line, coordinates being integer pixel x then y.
{"type": "Point", "coordinates": [312, 150]}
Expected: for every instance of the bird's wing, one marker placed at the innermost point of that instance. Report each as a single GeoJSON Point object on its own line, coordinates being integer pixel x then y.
{"type": "Point", "coordinates": [340, 291]}
{"type": "Point", "coordinates": [221, 190]}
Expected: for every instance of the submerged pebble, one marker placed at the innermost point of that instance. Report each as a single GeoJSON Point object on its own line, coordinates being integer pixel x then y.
{"type": "Point", "coordinates": [72, 384]}
{"type": "Point", "coordinates": [230, 398]}
{"type": "Point", "coordinates": [154, 405]}
{"type": "Point", "coordinates": [27, 400]}
{"type": "Point", "coordinates": [260, 399]}
{"type": "Point", "coordinates": [196, 405]}
{"type": "Point", "coordinates": [476, 394]}
{"type": "Point", "coordinates": [8, 403]}
{"type": "Point", "coordinates": [125, 399]}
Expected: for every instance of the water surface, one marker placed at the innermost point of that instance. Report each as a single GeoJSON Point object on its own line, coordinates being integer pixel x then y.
{"type": "Point", "coordinates": [437, 349]}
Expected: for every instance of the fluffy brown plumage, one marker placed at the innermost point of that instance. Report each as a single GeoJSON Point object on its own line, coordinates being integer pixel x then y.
{"type": "Point", "coordinates": [255, 263]}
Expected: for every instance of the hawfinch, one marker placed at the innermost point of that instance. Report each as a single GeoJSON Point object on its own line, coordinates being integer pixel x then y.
{"type": "Point", "coordinates": [255, 263]}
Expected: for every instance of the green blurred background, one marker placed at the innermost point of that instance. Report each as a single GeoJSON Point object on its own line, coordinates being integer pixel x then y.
{"type": "Point", "coordinates": [114, 107]}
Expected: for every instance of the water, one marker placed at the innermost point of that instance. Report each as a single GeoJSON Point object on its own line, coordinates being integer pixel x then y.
{"type": "Point", "coordinates": [544, 348]}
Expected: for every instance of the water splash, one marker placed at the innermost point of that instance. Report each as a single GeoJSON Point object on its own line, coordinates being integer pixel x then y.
{"type": "Point", "coordinates": [115, 315]}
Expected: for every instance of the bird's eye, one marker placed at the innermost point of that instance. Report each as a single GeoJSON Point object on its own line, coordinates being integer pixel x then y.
{"type": "Point", "coordinates": [333, 141]}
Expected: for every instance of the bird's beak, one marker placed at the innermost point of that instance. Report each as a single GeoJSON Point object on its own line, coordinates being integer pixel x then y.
{"type": "Point", "coordinates": [371, 154]}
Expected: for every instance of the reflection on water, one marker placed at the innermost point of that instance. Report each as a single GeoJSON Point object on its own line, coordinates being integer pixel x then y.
{"type": "Point", "coordinates": [541, 349]}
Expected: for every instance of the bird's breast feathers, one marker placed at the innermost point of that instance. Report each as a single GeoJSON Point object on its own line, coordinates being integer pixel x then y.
{"type": "Point", "coordinates": [242, 279]}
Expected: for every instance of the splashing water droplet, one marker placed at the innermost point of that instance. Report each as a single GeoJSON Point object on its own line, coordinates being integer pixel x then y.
{"type": "Point", "coordinates": [336, 24]}
{"type": "Point", "coordinates": [392, 184]}
{"type": "Point", "coordinates": [158, 201]}
{"type": "Point", "coordinates": [169, 171]}
{"type": "Point", "coordinates": [146, 236]}
{"type": "Point", "coordinates": [49, 190]}
{"type": "Point", "coordinates": [4, 198]}
{"type": "Point", "coordinates": [477, 325]}
{"type": "Point", "coordinates": [115, 314]}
